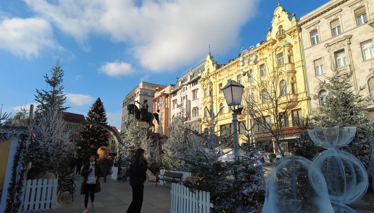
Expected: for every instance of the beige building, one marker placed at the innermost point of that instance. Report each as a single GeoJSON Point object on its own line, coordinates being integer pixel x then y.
{"type": "Point", "coordinates": [143, 91]}
{"type": "Point", "coordinates": [112, 142]}
{"type": "Point", "coordinates": [339, 34]}
{"type": "Point", "coordinates": [161, 104]}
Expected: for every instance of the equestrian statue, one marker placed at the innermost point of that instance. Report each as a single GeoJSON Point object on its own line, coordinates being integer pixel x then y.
{"type": "Point", "coordinates": [143, 114]}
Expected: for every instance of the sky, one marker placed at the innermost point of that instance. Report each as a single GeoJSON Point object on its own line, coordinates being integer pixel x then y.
{"type": "Point", "coordinates": [107, 47]}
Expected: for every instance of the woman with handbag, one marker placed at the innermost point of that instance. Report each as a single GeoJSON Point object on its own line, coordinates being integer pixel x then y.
{"type": "Point", "coordinates": [137, 172]}
{"type": "Point", "coordinates": [91, 173]}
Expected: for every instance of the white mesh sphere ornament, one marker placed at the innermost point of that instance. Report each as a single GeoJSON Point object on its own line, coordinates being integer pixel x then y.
{"type": "Point", "coordinates": [346, 177]}
{"type": "Point", "coordinates": [296, 185]}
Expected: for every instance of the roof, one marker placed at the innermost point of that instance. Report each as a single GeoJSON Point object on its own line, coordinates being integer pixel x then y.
{"type": "Point", "coordinates": [194, 74]}
{"type": "Point", "coordinates": [72, 117]}
{"type": "Point", "coordinates": [114, 129]}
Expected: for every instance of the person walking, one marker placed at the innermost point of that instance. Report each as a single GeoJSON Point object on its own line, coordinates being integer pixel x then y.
{"type": "Point", "coordinates": [105, 165]}
{"type": "Point", "coordinates": [91, 185]}
{"type": "Point", "coordinates": [79, 165]}
{"type": "Point", "coordinates": [138, 171]}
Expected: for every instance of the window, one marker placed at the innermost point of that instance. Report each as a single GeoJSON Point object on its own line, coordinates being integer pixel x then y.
{"type": "Point", "coordinates": [267, 122]}
{"type": "Point", "coordinates": [220, 88]}
{"type": "Point", "coordinates": [283, 88]}
{"type": "Point", "coordinates": [145, 93]}
{"type": "Point", "coordinates": [283, 117]}
{"type": "Point", "coordinates": [265, 97]}
{"type": "Point", "coordinates": [174, 103]}
{"type": "Point", "coordinates": [314, 37]}
{"type": "Point", "coordinates": [221, 109]}
{"type": "Point", "coordinates": [293, 88]}
{"type": "Point", "coordinates": [254, 126]}
{"type": "Point", "coordinates": [335, 27]}
{"type": "Point", "coordinates": [289, 59]}
{"type": "Point", "coordinates": [322, 97]}
{"type": "Point", "coordinates": [340, 59]}
{"type": "Point", "coordinates": [206, 112]}
{"type": "Point", "coordinates": [195, 94]}
{"type": "Point", "coordinates": [318, 66]}
{"type": "Point", "coordinates": [280, 59]}
{"type": "Point", "coordinates": [367, 50]}
{"type": "Point", "coordinates": [241, 127]}
{"type": "Point", "coordinates": [262, 69]}
{"type": "Point", "coordinates": [264, 123]}
{"type": "Point", "coordinates": [239, 78]}
{"type": "Point", "coordinates": [297, 117]}
{"type": "Point", "coordinates": [361, 17]}
{"type": "Point", "coordinates": [195, 112]}
{"type": "Point", "coordinates": [205, 92]}
{"type": "Point", "coordinates": [371, 86]}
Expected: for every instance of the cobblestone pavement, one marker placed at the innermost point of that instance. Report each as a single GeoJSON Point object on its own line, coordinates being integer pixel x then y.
{"type": "Point", "coordinates": [115, 197]}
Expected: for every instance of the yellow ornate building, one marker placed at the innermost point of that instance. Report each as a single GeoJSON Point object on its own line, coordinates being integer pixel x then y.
{"type": "Point", "coordinates": [278, 75]}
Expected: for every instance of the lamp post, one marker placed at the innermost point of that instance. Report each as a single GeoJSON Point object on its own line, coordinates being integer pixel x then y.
{"type": "Point", "coordinates": [250, 79]}
{"type": "Point", "coordinates": [233, 92]}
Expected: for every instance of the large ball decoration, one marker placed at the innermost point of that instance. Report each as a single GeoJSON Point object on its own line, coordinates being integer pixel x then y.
{"type": "Point", "coordinates": [296, 185]}
{"type": "Point", "coordinates": [346, 177]}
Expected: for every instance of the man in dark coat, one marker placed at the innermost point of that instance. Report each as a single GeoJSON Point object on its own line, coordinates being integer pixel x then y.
{"type": "Point", "coordinates": [79, 165]}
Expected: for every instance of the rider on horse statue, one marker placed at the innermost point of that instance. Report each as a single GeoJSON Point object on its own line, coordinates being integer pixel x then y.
{"type": "Point", "coordinates": [143, 109]}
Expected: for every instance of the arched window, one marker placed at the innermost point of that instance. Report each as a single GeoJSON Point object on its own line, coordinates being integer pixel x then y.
{"type": "Point", "coordinates": [322, 97]}
{"type": "Point", "coordinates": [221, 108]}
{"type": "Point", "coordinates": [265, 96]}
{"type": "Point", "coordinates": [371, 86]}
{"type": "Point", "coordinates": [283, 88]}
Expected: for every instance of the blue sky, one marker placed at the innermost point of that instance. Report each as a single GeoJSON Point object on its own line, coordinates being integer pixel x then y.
{"type": "Point", "coordinates": [107, 47]}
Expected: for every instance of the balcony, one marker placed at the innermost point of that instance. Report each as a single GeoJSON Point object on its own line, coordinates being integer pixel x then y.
{"type": "Point", "coordinates": [280, 34]}
{"type": "Point", "coordinates": [344, 70]}
{"type": "Point", "coordinates": [288, 101]}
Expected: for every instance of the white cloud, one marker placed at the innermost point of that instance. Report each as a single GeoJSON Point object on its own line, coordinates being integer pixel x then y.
{"type": "Point", "coordinates": [79, 99]}
{"type": "Point", "coordinates": [144, 78]}
{"type": "Point", "coordinates": [26, 107]}
{"type": "Point", "coordinates": [116, 68]}
{"type": "Point", "coordinates": [114, 119]}
{"type": "Point", "coordinates": [164, 34]}
{"type": "Point", "coordinates": [26, 37]}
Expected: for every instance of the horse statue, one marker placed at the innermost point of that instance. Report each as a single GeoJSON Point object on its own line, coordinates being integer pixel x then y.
{"type": "Point", "coordinates": [134, 110]}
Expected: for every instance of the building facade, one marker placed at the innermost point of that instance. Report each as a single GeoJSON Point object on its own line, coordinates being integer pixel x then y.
{"type": "Point", "coordinates": [186, 97]}
{"type": "Point", "coordinates": [161, 104]}
{"type": "Point", "coordinates": [72, 119]}
{"type": "Point", "coordinates": [143, 91]}
{"type": "Point", "coordinates": [279, 70]}
{"type": "Point", "coordinates": [338, 35]}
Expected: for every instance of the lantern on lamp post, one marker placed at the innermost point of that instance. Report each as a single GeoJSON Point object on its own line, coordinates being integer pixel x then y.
{"type": "Point", "coordinates": [233, 92]}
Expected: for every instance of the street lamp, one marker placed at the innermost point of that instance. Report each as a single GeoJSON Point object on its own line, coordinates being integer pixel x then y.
{"type": "Point", "coordinates": [250, 79]}
{"type": "Point", "coordinates": [233, 92]}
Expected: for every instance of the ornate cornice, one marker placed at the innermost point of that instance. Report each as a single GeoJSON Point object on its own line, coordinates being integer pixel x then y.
{"type": "Point", "coordinates": [301, 23]}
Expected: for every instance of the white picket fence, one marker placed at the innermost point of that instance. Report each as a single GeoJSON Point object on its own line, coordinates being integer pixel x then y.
{"type": "Point", "coordinates": [38, 195]}
{"type": "Point", "coordinates": [185, 201]}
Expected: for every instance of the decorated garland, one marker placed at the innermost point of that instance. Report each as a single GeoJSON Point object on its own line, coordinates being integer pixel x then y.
{"type": "Point", "coordinates": [13, 201]}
